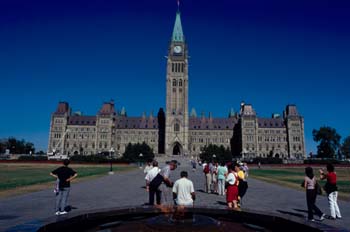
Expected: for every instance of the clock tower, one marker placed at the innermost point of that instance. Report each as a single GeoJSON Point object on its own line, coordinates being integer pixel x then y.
{"type": "Point", "coordinates": [176, 125]}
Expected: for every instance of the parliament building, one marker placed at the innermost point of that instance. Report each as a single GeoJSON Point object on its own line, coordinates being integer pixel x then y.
{"type": "Point", "coordinates": [176, 131]}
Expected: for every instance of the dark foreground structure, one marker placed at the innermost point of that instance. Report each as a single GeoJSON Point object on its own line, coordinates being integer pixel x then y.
{"type": "Point", "coordinates": [170, 219]}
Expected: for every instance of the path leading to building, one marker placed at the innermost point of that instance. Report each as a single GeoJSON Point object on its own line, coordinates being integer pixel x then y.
{"type": "Point", "coordinates": [126, 189]}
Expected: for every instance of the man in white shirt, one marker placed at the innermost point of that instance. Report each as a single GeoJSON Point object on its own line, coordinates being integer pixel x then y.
{"type": "Point", "coordinates": [183, 191]}
{"type": "Point", "coordinates": [148, 167]}
{"type": "Point", "coordinates": [151, 174]}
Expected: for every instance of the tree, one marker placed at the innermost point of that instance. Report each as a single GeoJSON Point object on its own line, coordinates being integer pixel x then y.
{"type": "Point", "coordinates": [329, 142]}
{"type": "Point", "coordinates": [345, 148]}
{"type": "Point", "coordinates": [133, 151]}
{"type": "Point", "coordinates": [221, 153]}
{"type": "Point", "coordinates": [16, 146]}
{"type": "Point", "coordinates": [161, 131]}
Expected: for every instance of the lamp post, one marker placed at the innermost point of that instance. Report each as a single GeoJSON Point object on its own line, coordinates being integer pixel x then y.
{"type": "Point", "coordinates": [110, 161]}
{"type": "Point", "coordinates": [214, 156]}
{"type": "Point", "coordinates": [140, 157]}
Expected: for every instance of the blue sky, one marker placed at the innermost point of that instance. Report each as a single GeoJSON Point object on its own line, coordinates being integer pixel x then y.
{"type": "Point", "coordinates": [268, 53]}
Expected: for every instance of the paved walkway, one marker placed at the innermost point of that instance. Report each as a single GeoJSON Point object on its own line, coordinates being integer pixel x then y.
{"type": "Point", "coordinates": [126, 190]}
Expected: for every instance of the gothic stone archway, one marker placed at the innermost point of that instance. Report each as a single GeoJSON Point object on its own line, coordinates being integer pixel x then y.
{"type": "Point", "coordinates": [177, 149]}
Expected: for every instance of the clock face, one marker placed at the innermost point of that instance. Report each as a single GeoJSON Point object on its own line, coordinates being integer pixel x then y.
{"type": "Point", "coordinates": [177, 49]}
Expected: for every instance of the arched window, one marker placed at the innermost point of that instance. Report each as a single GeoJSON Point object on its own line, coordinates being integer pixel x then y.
{"type": "Point", "coordinates": [176, 127]}
{"type": "Point", "coordinates": [174, 82]}
{"type": "Point", "coordinates": [180, 82]}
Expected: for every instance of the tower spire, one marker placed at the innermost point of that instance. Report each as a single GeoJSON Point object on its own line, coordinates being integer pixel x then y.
{"type": "Point", "coordinates": [177, 31]}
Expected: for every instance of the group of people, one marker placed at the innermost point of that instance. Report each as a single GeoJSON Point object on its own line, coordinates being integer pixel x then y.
{"type": "Point", "coordinates": [224, 179]}
{"type": "Point", "coordinates": [313, 188]}
{"type": "Point", "coordinates": [158, 182]}
{"type": "Point", "coordinates": [227, 179]}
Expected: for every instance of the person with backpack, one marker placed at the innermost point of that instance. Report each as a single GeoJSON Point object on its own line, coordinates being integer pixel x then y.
{"type": "Point", "coordinates": [207, 176]}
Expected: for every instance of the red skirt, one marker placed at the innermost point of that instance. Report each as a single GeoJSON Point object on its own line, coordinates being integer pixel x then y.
{"type": "Point", "coordinates": [232, 193]}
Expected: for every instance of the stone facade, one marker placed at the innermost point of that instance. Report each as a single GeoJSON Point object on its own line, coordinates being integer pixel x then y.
{"type": "Point", "coordinates": [281, 137]}
{"type": "Point", "coordinates": [174, 131]}
{"type": "Point", "coordinates": [87, 135]}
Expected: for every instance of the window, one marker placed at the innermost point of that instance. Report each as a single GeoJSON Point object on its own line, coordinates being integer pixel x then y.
{"type": "Point", "coordinates": [182, 67]}
{"type": "Point", "coordinates": [174, 82]}
{"type": "Point", "coordinates": [172, 67]}
{"type": "Point", "coordinates": [176, 127]}
{"type": "Point", "coordinates": [180, 82]}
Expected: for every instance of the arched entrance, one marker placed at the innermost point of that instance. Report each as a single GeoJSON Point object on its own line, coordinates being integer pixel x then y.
{"type": "Point", "coordinates": [177, 150]}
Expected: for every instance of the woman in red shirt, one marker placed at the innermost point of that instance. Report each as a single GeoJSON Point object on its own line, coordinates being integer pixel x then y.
{"type": "Point", "coordinates": [331, 190]}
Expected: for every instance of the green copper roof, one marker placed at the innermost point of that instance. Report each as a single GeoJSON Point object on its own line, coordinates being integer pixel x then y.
{"type": "Point", "coordinates": [178, 35]}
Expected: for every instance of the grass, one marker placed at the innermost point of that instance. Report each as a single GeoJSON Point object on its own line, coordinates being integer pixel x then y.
{"type": "Point", "coordinates": [292, 177]}
{"type": "Point", "coordinates": [14, 176]}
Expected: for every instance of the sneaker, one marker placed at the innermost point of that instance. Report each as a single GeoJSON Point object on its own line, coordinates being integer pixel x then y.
{"type": "Point", "coordinates": [322, 217]}
{"type": "Point", "coordinates": [338, 217]}
{"type": "Point", "coordinates": [63, 212]}
{"type": "Point", "coordinates": [57, 213]}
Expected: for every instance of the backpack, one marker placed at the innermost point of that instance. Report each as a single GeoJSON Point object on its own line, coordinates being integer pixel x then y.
{"type": "Point", "coordinates": [206, 169]}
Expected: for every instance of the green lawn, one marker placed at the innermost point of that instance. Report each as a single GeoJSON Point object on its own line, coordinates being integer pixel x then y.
{"type": "Point", "coordinates": [292, 177]}
{"type": "Point", "coordinates": [19, 175]}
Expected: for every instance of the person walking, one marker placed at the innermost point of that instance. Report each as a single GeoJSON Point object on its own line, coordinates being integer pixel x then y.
{"type": "Point", "coordinates": [183, 191]}
{"type": "Point", "coordinates": [232, 186]}
{"type": "Point", "coordinates": [222, 173]}
{"type": "Point", "coordinates": [194, 165]}
{"type": "Point", "coordinates": [331, 190]}
{"type": "Point", "coordinates": [310, 183]}
{"type": "Point", "coordinates": [65, 175]}
{"type": "Point", "coordinates": [151, 174]}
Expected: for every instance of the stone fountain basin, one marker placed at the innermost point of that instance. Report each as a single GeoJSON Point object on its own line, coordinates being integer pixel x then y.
{"type": "Point", "coordinates": [179, 219]}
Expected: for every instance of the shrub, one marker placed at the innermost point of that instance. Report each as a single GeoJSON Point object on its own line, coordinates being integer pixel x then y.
{"type": "Point", "coordinates": [268, 160]}
{"type": "Point", "coordinates": [321, 161]}
{"type": "Point", "coordinates": [95, 159]}
{"type": "Point", "coordinates": [32, 158]}
{"type": "Point", "coordinates": [222, 154]}
{"type": "Point", "coordinates": [133, 151]}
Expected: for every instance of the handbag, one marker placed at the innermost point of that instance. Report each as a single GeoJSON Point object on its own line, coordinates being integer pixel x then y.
{"type": "Point", "coordinates": [156, 182]}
